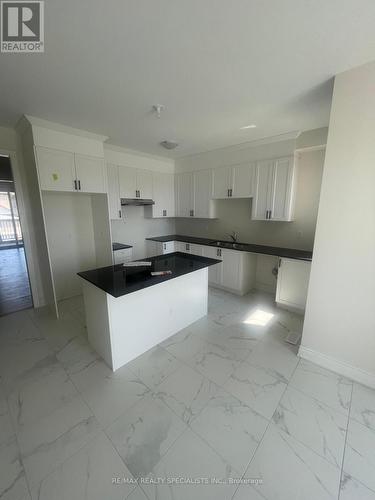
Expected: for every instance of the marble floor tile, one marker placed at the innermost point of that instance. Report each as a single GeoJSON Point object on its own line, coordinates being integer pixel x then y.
{"type": "Point", "coordinates": [319, 383]}
{"type": "Point", "coordinates": [351, 489]}
{"type": "Point", "coordinates": [290, 470]}
{"type": "Point", "coordinates": [17, 329]}
{"type": "Point", "coordinates": [185, 344]}
{"type": "Point", "coordinates": [137, 494]}
{"type": "Point", "coordinates": [13, 484]}
{"type": "Point", "coordinates": [154, 366]}
{"type": "Point", "coordinates": [191, 459]}
{"type": "Point", "coordinates": [88, 475]}
{"type": "Point", "coordinates": [363, 405]}
{"type": "Point", "coordinates": [144, 434]}
{"type": "Point", "coordinates": [186, 392]}
{"type": "Point", "coordinates": [109, 394]}
{"type": "Point", "coordinates": [231, 428]}
{"type": "Point", "coordinates": [41, 395]}
{"type": "Point", "coordinates": [257, 388]}
{"type": "Point", "coordinates": [22, 363]}
{"type": "Point", "coordinates": [58, 332]}
{"type": "Point", "coordinates": [47, 443]}
{"type": "Point", "coordinates": [278, 361]}
{"type": "Point", "coordinates": [77, 355]}
{"type": "Point", "coordinates": [314, 424]}
{"type": "Point", "coordinates": [216, 361]}
{"type": "Point", "coordinates": [359, 461]}
{"type": "Point", "coordinates": [6, 426]}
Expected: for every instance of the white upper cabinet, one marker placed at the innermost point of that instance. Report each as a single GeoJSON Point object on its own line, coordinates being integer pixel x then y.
{"type": "Point", "coordinates": [144, 184]}
{"type": "Point", "coordinates": [202, 195]}
{"type": "Point", "coordinates": [243, 181]}
{"type": "Point", "coordinates": [184, 195]}
{"type": "Point", "coordinates": [274, 193]}
{"type": "Point", "coordinates": [115, 212]}
{"type": "Point", "coordinates": [262, 199]}
{"type": "Point", "coordinates": [282, 190]}
{"type": "Point", "coordinates": [135, 183]}
{"type": "Point", "coordinates": [236, 181]}
{"type": "Point", "coordinates": [194, 194]}
{"type": "Point", "coordinates": [56, 169]}
{"type": "Point", "coordinates": [66, 171]}
{"type": "Point", "coordinates": [163, 195]}
{"type": "Point", "coordinates": [90, 174]}
{"type": "Point", "coordinates": [222, 182]}
{"type": "Point", "coordinates": [127, 182]}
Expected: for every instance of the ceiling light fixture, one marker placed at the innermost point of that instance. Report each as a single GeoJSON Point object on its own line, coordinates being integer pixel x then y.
{"type": "Point", "coordinates": [169, 144]}
{"type": "Point", "coordinates": [246, 127]}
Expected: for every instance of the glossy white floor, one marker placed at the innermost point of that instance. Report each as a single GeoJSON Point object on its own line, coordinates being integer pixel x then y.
{"type": "Point", "coordinates": [223, 399]}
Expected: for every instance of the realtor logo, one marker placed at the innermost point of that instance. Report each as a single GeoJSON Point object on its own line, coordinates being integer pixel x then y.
{"type": "Point", "coordinates": [22, 26]}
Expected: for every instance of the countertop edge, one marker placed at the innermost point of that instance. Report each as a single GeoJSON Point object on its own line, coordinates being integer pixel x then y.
{"type": "Point", "coordinates": [287, 253]}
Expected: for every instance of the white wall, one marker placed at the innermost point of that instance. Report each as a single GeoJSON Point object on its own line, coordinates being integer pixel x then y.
{"type": "Point", "coordinates": [71, 243]}
{"type": "Point", "coordinates": [339, 330]}
{"type": "Point", "coordinates": [7, 139]}
{"type": "Point", "coordinates": [134, 228]}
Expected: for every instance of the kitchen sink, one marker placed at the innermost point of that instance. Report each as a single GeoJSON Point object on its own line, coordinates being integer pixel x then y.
{"type": "Point", "coordinates": [227, 244]}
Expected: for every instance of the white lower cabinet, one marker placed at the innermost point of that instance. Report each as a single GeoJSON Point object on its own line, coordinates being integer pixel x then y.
{"type": "Point", "coordinates": [122, 256]}
{"type": "Point", "coordinates": [292, 283]}
{"type": "Point", "coordinates": [214, 272]}
{"type": "Point", "coordinates": [236, 273]}
{"type": "Point", "coordinates": [160, 248]}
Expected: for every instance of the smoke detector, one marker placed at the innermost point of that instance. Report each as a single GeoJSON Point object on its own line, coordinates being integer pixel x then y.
{"type": "Point", "coordinates": [169, 144]}
{"type": "Point", "coordinates": [157, 109]}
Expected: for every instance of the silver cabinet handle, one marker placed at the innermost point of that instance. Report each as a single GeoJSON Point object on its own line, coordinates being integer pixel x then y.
{"type": "Point", "coordinates": [270, 214]}
{"type": "Point", "coordinates": [119, 213]}
{"type": "Point", "coordinates": [75, 185]}
{"type": "Point", "coordinates": [79, 185]}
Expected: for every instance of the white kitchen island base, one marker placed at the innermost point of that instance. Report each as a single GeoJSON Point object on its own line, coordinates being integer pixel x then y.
{"type": "Point", "coordinates": [120, 329]}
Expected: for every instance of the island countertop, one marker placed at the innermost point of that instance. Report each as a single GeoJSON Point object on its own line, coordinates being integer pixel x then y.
{"type": "Point", "coordinates": [120, 280]}
{"type": "Point", "coordinates": [291, 253]}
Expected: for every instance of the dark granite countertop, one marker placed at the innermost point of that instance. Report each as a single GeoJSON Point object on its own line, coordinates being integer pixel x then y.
{"type": "Point", "coordinates": [119, 280]}
{"type": "Point", "coordinates": [120, 246]}
{"type": "Point", "coordinates": [289, 253]}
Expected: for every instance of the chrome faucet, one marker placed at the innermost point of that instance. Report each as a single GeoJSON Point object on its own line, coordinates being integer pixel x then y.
{"type": "Point", "coordinates": [234, 236]}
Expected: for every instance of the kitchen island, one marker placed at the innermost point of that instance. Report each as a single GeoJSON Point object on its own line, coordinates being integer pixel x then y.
{"type": "Point", "coordinates": [128, 311]}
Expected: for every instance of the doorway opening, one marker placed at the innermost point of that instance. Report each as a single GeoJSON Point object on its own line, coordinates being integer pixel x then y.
{"type": "Point", "coordinates": [15, 292]}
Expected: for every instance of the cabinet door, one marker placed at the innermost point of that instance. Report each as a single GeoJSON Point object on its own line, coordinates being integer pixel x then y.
{"type": "Point", "coordinates": [144, 184]}
{"type": "Point", "coordinates": [113, 192]}
{"type": "Point", "coordinates": [215, 272]}
{"type": "Point", "coordinates": [90, 174]}
{"type": "Point", "coordinates": [261, 201]}
{"type": "Point", "coordinates": [243, 181]}
{"type": "Point", "coordinates": [202, 193]}
{"type": "Point", "coordinates": [231, 269]}
{"type": "Point", "coordinates": [179, 246]}
{"type": "Point", "coordinates": [160, 194]}
{"type": "Point", "coordinates": [168, 247]}
{"type": "Point", "coordinates": [184, 188]}
{"type": "Point", "coordinates": [292, 283]}
{"type": "Point", "coordinates": [281, 192]}
{"type": "Point", "coordinates": [196, 249]}
{"type": "Point", "coordinates": [128, 182]}
{"type": "Point", "coordinates": [222, 182]}
{"type": "Point", "coordinates": [163, 195]}
{"type": "Point", "coordinates": [56, 169]}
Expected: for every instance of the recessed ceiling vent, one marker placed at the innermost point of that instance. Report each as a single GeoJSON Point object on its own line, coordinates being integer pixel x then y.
{"type": "Point", "coordinates": [169, 144]}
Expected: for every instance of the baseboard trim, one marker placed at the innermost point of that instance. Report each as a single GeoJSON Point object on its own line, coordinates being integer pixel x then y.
{"type": "Point", "coordinates": [338, 366]}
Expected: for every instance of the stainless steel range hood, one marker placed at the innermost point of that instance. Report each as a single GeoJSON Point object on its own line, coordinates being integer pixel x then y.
{"type": "Point", "coordinates": [136, 202]}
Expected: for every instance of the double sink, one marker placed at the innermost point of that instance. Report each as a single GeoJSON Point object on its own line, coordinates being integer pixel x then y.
{"type": "Point", "coordinates": [228, 244]}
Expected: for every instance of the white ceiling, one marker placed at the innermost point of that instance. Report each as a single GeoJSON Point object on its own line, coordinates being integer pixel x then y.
{"type": "Point", "coordinates": [216, 65]}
